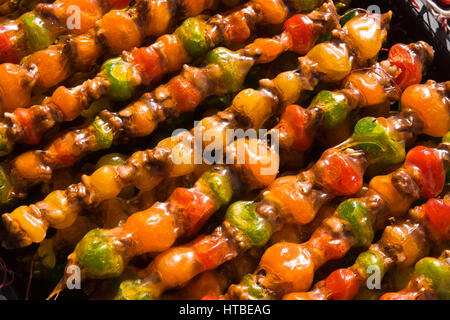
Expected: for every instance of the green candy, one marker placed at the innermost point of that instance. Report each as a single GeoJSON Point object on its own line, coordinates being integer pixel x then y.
{"type": "Point", "coordinates": [103, 133]}
{"type": "Point", "coordinates": [374, 139]}
{"type": "Point", "coordinates": [133, 290]}
{"type": "Point", "coordinates": [254, 290]}
{"type": "Point", "coordinates": [356, 215]}
{"type": "Point", "coordinates": [119, 74]}
{"type": "Point", "coordinates": [97, 256]}
{"type": "Point", "coordinates": [234, 67]}
{"type": "Point", "coordinates": [243, 216]}
{"type": "Point", "coordinates": [438, 272]}
{"type": "Point", "coordinates": [192, 32]}
{"type": "Point", "coordinates": [369, 259]}
{"type": "Point", "coordinates": [220, 185]}
{"type": "Point", "coordinates": [334, 105]}
{"type": "Point", "coordinates": [305, 5]}
{"type": "Point", "coordinates": [349, 16]}
{"type": "Point", "coordinates": [38, 35]}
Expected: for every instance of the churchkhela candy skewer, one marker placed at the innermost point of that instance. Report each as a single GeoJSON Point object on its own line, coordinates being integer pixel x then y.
{"type": "Point", "coordinates": [37, 29]}
{"type": "Point", "coordinates": [431, 280]}
{"type": "Point", "coordinates": [120, 76]}
{"type": "Point", "coordinates": [354, 223]}
{"type": "Point", "coordinates": [339, 172]}
{"type": "Point", "coordinates": [146, 169]}
{"type": "Point", "coordinates": [401, 244]}
{"type": "Point", "coordinates": [118, 31]}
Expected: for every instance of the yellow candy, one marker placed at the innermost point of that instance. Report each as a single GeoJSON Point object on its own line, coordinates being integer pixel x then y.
{"type": "Point", "coordinates": [289, 86]}
{"type": "Point", "coordinates": [60, 213]}
{"type": "Point", "coordinates": [105, 183]}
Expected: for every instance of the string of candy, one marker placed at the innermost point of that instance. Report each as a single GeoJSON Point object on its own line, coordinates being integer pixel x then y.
{"type": "Point", "coordinates": [147, 168]}
{"type": "Point", "coordinates": [401, 244]}
{"type": "Point", "coordinates": [121, 76]}
{"type": "Point", "coordinates": [354, 223]}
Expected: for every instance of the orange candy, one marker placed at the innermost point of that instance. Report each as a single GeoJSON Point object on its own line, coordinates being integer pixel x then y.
{"type": "Point", "coordinates": [173, 51]}
{"type": "Point", "coordinates": [68, 102]}
{"type": "Point", "coordinates": [90, 11]}
{"type": "Point", "coordinates": [28, 165]}
{"type": "Point", "coordinates": [177, 265]}
{"type": "Point", "coordinates": [397, 202]}
{"type": "Point", "coordinates": [431, 107]}
{"type": "Point", "coordinates": [88, 50]}
{"type": "Point", "coordinates": [286, 191]}
{"type": "Point", "coordinates": [52, 59]}
{"type": "Point", "coordinates": [368, 84]}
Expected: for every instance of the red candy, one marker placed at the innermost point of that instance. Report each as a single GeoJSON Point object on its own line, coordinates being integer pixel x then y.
{"type": "Point", "coordinates": [300, 28]}
{"type": "Point", "coordinates": [186, 96]}
{"type": "Point", "coordinates": [438, 213]}
{"type": "Point", "coordinates": [296, 119]}
{"type": "Point", "coordinates": [407, 61]}
{"type": "Point", "coordinates": [432, 174]}
{"type": "Point", "coordinates": [340, 175]}
{"type": "Point", "coordinates": [195, 206]}
{"type": "Point", "coordinates": [343, 284]}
